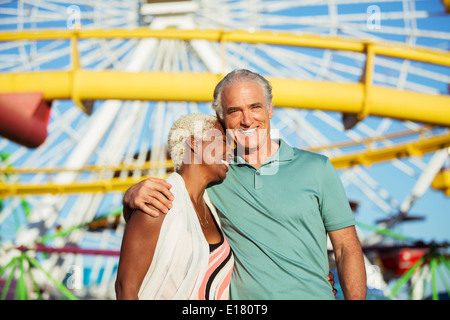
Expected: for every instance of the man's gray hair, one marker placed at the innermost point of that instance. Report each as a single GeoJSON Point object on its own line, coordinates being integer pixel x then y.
{"type": "Point", "coordinates": [194, 124]}
{"type": "Point", "coordinates": [232, 78]}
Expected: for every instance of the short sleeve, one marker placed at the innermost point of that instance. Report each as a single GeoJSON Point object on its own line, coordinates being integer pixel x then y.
{"type": "Point", "coordinates": [335, 208]}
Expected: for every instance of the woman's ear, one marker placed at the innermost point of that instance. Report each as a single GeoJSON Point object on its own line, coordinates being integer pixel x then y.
{"type": "Point", "coordinates": [190, 143]}
{"type": "Point", "coordinates": [193, 144]}
{"type": "Point", "coordinates": [195, 148]}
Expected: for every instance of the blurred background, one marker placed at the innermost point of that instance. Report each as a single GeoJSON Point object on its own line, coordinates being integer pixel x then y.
{"type": "Point", "coordinates": [88, 92]}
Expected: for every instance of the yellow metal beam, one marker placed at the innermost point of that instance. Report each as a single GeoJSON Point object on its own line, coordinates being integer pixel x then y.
{"type": "Point", "coordinates": [361, 99]}
{"type": "Point", "coordinates": [160, 86]}
{"type": "Point", "coordinates": [446, 4]}
{"type": "Point", "coordinates": [168, 164]}
{"type": "Point", "coordinates": [99, 186]}
{"type": "Point", "coordinates": [368, 140]}
{"type": "Point", "coordinates": [369, 157]}
{"type": "Point", "coordinates": [415, 148]}
{"type": "Point", "coordinates": [442, 182]}
{"type": "Point", "coordinates": [395, 50]}
{"type": "Point", "coordinates": [351, 97]}
{"type": "Point", "coordinates": [148, 165]}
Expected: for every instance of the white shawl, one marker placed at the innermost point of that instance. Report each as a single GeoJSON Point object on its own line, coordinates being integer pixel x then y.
{"type": "Point", "coordinates": [181, 256]}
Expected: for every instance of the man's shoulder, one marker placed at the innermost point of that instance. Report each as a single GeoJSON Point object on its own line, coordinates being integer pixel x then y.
{"type": "Point", "coordinates": [306, 155]}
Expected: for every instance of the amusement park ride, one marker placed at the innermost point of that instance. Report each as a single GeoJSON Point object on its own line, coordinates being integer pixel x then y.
{"type": "Point", "coordinates": [88, 93]}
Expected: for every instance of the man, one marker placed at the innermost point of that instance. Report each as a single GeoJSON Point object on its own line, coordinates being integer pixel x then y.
{"type": "Point", "coordinates": [276, 205]}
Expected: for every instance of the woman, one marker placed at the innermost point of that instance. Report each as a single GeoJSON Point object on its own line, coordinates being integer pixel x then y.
{"type": "Point", "coordinates": [182, 254]}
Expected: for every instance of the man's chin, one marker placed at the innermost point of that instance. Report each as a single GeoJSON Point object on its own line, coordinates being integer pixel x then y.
{"type": "Point", "coordinates": [246, 149]}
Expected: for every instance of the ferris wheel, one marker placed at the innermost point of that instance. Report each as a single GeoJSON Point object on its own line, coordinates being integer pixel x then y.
{"type": "Point", "coordinates": [364, 82]}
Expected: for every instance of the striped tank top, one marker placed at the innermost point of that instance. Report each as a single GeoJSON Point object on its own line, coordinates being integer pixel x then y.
{"type": "Point", "coordinates": [215, 285]}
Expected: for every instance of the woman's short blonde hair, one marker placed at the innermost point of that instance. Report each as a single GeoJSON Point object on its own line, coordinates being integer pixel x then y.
{"type": "Point", "coordinates": [195, 125]}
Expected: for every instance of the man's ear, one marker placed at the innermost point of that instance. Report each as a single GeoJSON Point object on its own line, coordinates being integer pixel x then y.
{"type": "Point", "coordinates": [271, 110]}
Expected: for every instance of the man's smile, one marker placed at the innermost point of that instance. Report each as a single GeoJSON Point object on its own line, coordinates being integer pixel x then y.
{"type": "Point", "coordinates": [248, 131]}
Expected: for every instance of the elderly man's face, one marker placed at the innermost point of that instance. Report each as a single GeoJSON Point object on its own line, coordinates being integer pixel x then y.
{"type": "Point", "coordinates": [246, 116]}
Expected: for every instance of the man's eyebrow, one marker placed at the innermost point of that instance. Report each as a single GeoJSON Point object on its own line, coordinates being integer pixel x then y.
{"type": "Point", "coordinates": [232, 109]}
{"type": "Point", "coordinates": [255, 104]}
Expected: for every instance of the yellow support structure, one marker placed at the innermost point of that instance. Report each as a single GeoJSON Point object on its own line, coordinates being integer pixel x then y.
{"type": "Point", "coordinates": [442, 182]}
{"type": "Point", "coordinates": [148, 165]}
{"type": "Point", "coordinates": [446, 4]}
{"type": "Point", "coordinates": [361, 99]}
{"type": "Point", "coordinates": [159, 86]}
{"type": "Point", "coordinates": [394, 50]}
{"type": "Point", "coordinates": [416, 148]}
{"type": "Point", "coordinates": [99, 186]}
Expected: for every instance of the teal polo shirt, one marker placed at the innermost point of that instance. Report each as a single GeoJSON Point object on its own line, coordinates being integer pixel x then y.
{"type": "Point", "coordinates": [276, 220]}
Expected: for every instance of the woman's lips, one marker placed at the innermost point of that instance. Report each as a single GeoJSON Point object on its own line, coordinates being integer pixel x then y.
{"type": "Point", "coordinates": [225, 163]}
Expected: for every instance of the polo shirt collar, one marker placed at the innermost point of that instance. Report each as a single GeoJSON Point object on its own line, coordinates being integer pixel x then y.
{"type": "Point", "coordinates": [284, 153]}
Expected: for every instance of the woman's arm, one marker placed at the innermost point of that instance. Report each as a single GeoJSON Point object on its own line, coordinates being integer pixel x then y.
{"type": "Point", "coordinates": [138, 246]}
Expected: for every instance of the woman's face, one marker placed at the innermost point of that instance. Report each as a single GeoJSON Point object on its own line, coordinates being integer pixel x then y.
{"type": "Point", "coordinates": [214, 152]}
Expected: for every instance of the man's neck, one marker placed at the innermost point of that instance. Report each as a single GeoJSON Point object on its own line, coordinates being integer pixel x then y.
{"type": "Point", "coordinates": [258, 156]}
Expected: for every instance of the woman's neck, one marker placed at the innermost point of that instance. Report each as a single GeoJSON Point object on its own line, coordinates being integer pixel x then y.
{"type": "Point", "coordinates": [195, 180]}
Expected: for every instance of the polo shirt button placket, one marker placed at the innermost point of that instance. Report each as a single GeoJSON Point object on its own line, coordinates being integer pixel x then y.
{"type": "Point", "coordinates": [258, 181]}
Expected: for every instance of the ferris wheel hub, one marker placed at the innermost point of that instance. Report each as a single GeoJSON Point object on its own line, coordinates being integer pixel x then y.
{"type": "Point", "coordinates": [157, 8]}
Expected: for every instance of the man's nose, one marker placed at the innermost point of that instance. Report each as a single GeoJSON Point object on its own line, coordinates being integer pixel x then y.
{"type": "Point", "coordinates": [246, 119]}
